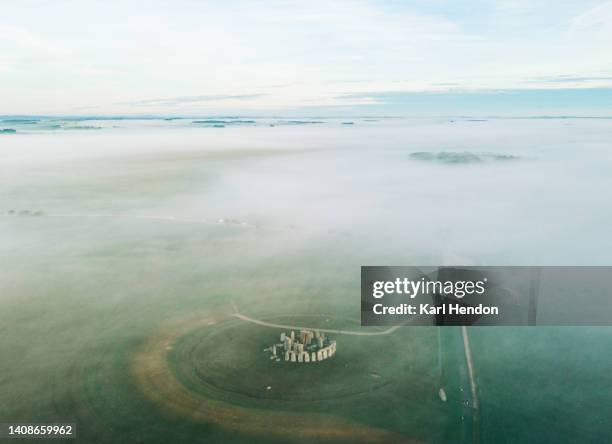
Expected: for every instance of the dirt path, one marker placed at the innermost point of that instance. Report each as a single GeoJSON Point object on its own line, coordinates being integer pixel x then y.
{"type": "Point", "coordinates": [325, 330]}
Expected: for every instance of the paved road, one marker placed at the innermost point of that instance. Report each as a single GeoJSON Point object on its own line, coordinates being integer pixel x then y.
{"type": "Point", "coordinates": [471, 404]}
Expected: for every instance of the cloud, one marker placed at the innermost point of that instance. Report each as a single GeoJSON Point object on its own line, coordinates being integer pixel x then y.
{"type": "Point", "coordinates": [399, 96]}
{"type": "Point", "coordinates": [598, 16]}
{"type": "Point", "coordinates": [514, 5]}
{"type": "Point", "coordinates": [23, 39]}
{"type": "Point", "coordinates": [283, 54]}
{"type": "Point", "coordinates": [568, 79]}
{"type": "Point", "coordinates": [174, 101]}
{"type": "Point", "coordinates": [19, 46]}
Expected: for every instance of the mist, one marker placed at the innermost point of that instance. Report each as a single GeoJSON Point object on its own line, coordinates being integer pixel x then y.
{"type": "Point", "coordinates": [106, 234]}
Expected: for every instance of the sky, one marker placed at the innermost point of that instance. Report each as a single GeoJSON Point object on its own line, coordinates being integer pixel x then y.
{"type": "Point", "coordinates": [316, 57]}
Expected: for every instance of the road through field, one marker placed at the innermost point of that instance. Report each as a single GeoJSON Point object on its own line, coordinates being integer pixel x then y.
{"type": "Point", "coordinates": [297, 327]}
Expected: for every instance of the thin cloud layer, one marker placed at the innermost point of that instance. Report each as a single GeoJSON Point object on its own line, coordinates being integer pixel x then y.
{"type": "Point", "coordinates": [173, 101]}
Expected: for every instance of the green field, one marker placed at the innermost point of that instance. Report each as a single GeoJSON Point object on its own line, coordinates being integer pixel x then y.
{"type": "Point", "coordinates": [230, 360]}
{"type": "Point", "coordinates": [223, 365]}
{"type": "Point", "coordinates": [123, 254]}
